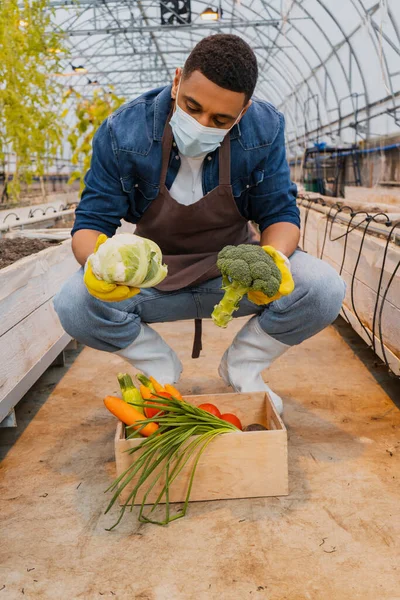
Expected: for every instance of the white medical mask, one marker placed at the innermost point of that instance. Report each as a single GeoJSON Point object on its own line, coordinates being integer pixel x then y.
{"type": "Point", "coordinates": [193, 139]}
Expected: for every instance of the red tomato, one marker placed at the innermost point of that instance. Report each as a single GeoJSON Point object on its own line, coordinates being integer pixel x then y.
{"type": "Point", "coordinates": [151, 412]}
{"type": "Point", "coordinates": [210, 408]}
{"type": "Point", "coordinates": [229, 418]}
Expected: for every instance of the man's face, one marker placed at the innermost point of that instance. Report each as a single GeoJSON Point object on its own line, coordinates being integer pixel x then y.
{"type": "Point", "coordinates": [208, 103]}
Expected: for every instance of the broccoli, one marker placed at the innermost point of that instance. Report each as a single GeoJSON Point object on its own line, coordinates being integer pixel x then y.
{"type": "Point", "coordinates": [244, 268]}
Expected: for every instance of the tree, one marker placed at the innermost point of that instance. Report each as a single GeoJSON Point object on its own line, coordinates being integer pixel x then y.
{"type": "Point", "coordinates": [90, 113]}
{"type": "Point", "coordinates": [30, 96]}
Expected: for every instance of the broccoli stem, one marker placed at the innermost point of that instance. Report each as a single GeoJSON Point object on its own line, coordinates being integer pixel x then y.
{"type": "Point", "coordinates": [223, 311]}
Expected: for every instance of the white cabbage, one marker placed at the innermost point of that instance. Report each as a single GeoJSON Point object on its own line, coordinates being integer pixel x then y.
{"type": "Point", "coordinates": [129, 259]}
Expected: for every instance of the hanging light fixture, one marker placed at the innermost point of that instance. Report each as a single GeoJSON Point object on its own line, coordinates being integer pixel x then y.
{"type": "Point", "coordinates": [79, 69]}
{"type": "Point", "coordinates": [209, 14]}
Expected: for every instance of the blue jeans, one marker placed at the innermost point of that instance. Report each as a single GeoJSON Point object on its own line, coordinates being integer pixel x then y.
{"type": "Point", "coordinates": [314, 304]}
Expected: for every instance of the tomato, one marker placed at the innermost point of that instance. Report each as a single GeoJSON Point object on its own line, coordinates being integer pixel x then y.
{"type": "Point", "coordinates": [151, 412]}
{"type": "Point", "coordinates": [210, 408]}
{"type": "Point", "coordinates": [229, 418]}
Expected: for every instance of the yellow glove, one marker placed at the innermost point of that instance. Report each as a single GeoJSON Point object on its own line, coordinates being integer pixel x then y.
{"type": "Point", "coordinates": [287, 283]}
{"type": "Point", "coordinates": [108, 292]}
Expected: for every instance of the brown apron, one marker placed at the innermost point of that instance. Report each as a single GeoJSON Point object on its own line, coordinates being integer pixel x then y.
{"type": "Point", "coordinates": [190, 237]}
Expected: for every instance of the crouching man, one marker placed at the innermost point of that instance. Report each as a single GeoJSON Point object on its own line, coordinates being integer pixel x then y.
{"type": "Point", "coordinates": [191, 164]}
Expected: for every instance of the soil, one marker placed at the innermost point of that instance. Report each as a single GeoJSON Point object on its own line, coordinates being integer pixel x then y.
{"type": "Point", "coordinates": [12, 250]}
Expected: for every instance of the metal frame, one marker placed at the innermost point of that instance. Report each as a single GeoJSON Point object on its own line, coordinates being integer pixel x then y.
{"type": "Point", "coordinates": [301, 55]}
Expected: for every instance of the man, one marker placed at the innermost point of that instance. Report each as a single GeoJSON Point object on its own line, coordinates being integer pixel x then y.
{"type": "Point", "coordinates": [191, 165]}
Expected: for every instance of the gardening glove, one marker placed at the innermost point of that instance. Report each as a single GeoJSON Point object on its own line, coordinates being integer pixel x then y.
{"type": "Point", "coordinates": [108, 292]}
{"type": "Point", "coordinates": [287, 283]}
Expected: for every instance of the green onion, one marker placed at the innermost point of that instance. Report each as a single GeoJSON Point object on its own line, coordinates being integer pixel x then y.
{"type": "Point", "coordinates": [184, 432]}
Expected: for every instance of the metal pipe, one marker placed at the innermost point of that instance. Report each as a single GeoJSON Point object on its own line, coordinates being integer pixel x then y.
{"type": "Point", "coordinates": [189, 27]}
{"type": "Point", "coordinates": [132, 54]}
{"type": "Point", "coordinates": [295, 161]}
{"type": "Point", "coordinates": [31, 220]}
{"type": "Point", "coordinates": [344, 218]}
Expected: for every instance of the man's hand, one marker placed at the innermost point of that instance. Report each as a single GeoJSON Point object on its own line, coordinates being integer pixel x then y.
{"type": "Point", "coordinates": [287, 284]}
{"type": "Point", "coordinates": [108, 292]}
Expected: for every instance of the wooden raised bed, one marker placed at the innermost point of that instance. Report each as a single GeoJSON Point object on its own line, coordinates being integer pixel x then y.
{"type": "Point", "coordinates": [362, 279]}
{"type": "Point", "coordinates": [31, 336]}
{"type": "Point", "coordinates": [235, 465]}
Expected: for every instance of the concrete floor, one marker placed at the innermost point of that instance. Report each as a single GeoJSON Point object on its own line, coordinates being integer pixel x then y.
{"type": "Point", "coordinates": [335, 537]}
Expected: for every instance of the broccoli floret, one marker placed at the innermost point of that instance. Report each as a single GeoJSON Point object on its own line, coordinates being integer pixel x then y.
{"type": "Point", "coordinates": [244, 268]}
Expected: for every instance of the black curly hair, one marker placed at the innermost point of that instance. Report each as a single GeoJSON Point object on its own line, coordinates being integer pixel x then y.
{"type": "Point", "coordinates": [227, 61]}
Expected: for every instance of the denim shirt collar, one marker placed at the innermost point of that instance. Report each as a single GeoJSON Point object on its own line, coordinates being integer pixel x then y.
{"type": "Point", "coordinates": [162, 107]}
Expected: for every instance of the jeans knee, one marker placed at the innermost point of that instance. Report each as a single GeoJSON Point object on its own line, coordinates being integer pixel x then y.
{"type": "Point", "coordinates": [68, 304]}
{"type": "Point", "coordinates": [106, 326]}
{"type": "Point", "coordinates": [325, 295]}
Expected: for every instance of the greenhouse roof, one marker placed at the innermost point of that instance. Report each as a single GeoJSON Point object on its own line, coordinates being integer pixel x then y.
{"type": "Point", "coordinates": [331, 66]}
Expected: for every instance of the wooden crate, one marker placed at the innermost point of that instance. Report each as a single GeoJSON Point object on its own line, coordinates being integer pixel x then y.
{"type": "Point", "coordinates": [235, 465]}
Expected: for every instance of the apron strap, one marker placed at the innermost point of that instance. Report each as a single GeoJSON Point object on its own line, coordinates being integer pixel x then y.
{"type": "Point", "coordinates": [197, 342]}
{"type": "Point", "coordinates": [225, 161]}
{"type": "Point", "coordinates": [166, 150]}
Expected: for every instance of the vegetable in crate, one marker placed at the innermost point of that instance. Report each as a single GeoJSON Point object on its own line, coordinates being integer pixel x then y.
{"type": "Point", "coordinates": [149, 406]}
{"type": "Point", "coordinates": [154, 386]}
{"type": "Point", "coordinates": [230, 418]}
{"type": "Point", "coordinates": [211, 408]}
{"type": "Point", "coordinates": [173, 391]}
{"type": "Point", "coordinates": [130, 393]}
{"type": "Point", "coordinates": [259, 272]}
{"type": "Point", "coordinates": [129, 415]}
{"type": "Point", "coordinates": [121, 265]}
{"type": "Point", "coordinates": [150, 383]}
{"type": "Point", "coordinates": [184, 432]}
{"type": "Point", "coordinates": [255, 427]}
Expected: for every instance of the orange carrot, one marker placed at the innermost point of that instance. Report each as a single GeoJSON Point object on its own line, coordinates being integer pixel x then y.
{"type": "Point", "coordinates": [146, 393]}
{"type": "Point", "coordinates": [173, 391]}
{"type": "Point", "coordinates": [128, 414]}
{"type": "Point", "coordinates": [157, 386]}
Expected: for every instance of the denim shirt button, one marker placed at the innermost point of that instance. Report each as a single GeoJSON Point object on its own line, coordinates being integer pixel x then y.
{"type": "Point", "coordinates": [176, 157]}
{"type": "Point", "coordinates": [136, 185]}
{"type": "Point", "coordinates": [209, 157]}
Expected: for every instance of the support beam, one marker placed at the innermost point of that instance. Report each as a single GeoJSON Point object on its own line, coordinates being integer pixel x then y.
{"type": "Point", "coordinates": [10, 420]}
{"type": "Point", "coordinates": [129, 52]}
{"type": "Point", "coordinates": [162, 28]}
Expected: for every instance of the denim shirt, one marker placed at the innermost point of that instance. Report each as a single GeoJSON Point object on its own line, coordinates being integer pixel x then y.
{"type": "Point", "coordinates": [124, 176]}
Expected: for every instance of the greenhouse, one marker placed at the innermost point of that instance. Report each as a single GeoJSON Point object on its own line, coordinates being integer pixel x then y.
{"type": "Point", "coordinates": [200, 299]}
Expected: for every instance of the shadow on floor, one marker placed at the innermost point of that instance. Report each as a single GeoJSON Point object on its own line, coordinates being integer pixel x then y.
{"type": "Point", "coordinates": [384, 377]}
{"type": "Point", "coordinates": [34, 399]}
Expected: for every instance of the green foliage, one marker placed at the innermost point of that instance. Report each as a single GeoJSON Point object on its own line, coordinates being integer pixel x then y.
{"type": "Point", "coordinates": [30, 96]}
{"type": "Point", "coordinates": [89, 116]}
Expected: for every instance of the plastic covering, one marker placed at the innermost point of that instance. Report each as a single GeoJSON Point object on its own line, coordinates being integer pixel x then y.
{"type": "Point", "coordinates": [332, 66]}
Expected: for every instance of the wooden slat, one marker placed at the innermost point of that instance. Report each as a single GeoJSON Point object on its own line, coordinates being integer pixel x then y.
{"type": "Point", "coordinates": [370, 263]}
{"type": "Point", "coordinates": [31, 376]}
{"type": "Point", "coordinates": [23, 346]}
{"type": "Point", "coordinates": [392, 359]}
{"type": "Point", "coordinates": [364, 302]}
{"type": "Point", "coordinates": [366, 281]}
{"type": "Point", "coordinates": [32, 281]}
